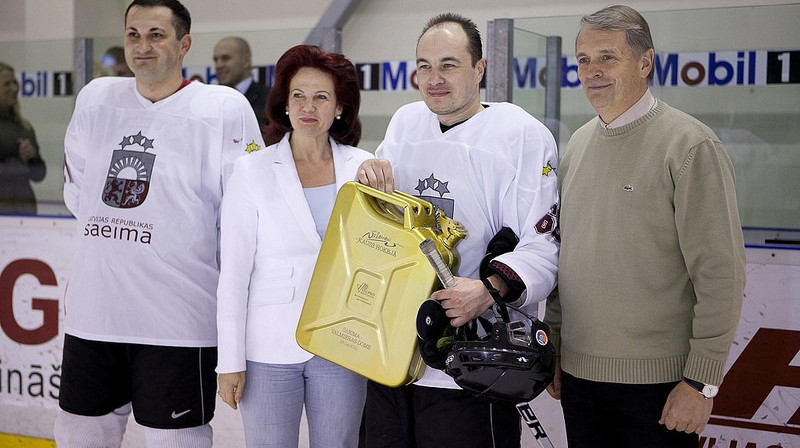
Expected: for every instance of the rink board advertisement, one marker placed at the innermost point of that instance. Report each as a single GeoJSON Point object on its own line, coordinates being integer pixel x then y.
{"type": "Point", "coordinates": [700, 69]}
{"type": "Point", "coordinates": [35, 258]}
{"type": "Point", "coordinates": [758, 405]}
{"type": "Point", "coordinates": [704, 69]}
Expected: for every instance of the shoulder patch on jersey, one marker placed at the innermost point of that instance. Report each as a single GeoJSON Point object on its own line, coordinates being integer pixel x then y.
{"type": "Point", "coordinates": [549, 222]}
{"type": "Point", "coordinates": [547, 169]}
{"type": "Point", "coordinates": [253, 147]}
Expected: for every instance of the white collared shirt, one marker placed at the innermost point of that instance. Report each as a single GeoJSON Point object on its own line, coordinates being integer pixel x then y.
{"type": "Point", "coordinates": [645, 104]}
{"type": "Point", "coordinates": [244, 84]}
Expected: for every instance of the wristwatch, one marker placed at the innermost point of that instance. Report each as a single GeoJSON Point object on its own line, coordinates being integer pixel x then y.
{"type": "Point", "coordinates": [706, 390]}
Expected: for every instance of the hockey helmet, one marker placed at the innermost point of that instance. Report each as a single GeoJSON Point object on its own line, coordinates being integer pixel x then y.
{"type": "Point", "coordinates": [515, 362]}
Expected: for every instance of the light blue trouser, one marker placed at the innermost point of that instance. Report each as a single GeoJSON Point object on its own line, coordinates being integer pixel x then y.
{"type": "Point", "coordinates": [274, 395]}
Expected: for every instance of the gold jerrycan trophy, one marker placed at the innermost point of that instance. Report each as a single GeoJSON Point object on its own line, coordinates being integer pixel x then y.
{"type": "Point", "coordinates": [371, 278]}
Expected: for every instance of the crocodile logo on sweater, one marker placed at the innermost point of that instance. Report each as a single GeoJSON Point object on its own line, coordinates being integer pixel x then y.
{"type": "Point", "coordinates": [129, 172]}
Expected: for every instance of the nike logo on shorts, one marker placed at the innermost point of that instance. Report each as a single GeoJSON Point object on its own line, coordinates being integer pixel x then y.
{"type": "Point", "coordinates": [180, 414]}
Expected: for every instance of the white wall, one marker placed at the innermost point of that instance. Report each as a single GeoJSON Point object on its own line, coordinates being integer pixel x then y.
{"type": "Point", "coordinates": [378, 29]}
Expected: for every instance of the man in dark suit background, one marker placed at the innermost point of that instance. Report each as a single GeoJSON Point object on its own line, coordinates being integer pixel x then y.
{"type": "Point", "coordinates": [233, 64]}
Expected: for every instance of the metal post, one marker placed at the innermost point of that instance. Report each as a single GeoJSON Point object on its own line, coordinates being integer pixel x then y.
{"type": "Point", "coordinates": [327, 34]}
{"type": "Point", "coordinates": [552, 95]}
{"type": "Point", "coordinates": [331, 40]}
{"type": "Point", "coordinates": [84, 62]}
{"type": "Point", "coordinates": [500, 59]}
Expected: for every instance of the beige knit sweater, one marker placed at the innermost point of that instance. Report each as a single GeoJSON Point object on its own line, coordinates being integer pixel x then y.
{"type": "Point", "coordinates": [651, 272]}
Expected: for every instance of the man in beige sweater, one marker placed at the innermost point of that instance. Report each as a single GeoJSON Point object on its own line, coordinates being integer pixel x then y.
{"type": "Point", "coordinates": [651, 272]}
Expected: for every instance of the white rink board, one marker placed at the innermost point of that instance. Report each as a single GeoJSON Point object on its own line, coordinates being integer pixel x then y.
{"type": "Point", "coordinates": [36, 254]}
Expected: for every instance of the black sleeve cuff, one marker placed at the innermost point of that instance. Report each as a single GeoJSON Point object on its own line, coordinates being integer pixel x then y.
{"type": "Point", "coordinates": [510, 278]}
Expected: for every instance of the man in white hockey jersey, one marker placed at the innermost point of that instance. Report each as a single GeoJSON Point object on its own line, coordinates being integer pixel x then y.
{"type": "Point", "coordinates": [145, 165]}
{"type": "Point", "coordinates": [489, 166]}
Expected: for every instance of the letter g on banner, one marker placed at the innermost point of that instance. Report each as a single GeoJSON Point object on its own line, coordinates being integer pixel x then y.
{"type": "Point", "coordinates": [49, 307]}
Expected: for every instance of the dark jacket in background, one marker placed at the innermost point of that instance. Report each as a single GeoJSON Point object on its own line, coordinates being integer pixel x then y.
{"type": "Point", "coordinates": [256, 94]}
{"type": "Point", "coordinates": [16, 194]}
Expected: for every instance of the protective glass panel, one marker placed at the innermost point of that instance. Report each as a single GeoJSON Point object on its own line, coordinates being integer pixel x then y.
{"type": "Point", "coordinates": [744, 84]}
{"type": "Point", "coordinates": [43, 70]}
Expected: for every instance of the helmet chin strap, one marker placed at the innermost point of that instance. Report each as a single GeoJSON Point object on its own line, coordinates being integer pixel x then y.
{"type": "Point", "coordinates": [500, 307]}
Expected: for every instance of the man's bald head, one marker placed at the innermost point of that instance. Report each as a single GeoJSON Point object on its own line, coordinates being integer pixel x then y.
{"type": "Point", "coordinates": [232, 60]}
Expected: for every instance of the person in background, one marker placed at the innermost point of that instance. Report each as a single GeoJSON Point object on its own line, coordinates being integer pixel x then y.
{"type": "Point", "coordinates": [20, 162]}
{"type": "Point", "coordinates": [651, 274]}
{"type": "Point", "coordinates": [274, 218]}
{"type": "Point", "coordinates": [233, 63]}
{"type": "Point", "coordinates": [489, 166]}
{"type": "Point", "coordinates": [146, 164]}
{"type": "Point", "coordinates": [114, 62]}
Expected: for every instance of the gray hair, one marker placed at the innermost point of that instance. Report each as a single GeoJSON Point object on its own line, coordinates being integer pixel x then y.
{"type": "Point", "coordinates": [623, 18]}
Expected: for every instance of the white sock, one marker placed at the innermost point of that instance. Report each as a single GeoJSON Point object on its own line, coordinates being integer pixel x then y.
{"type": "Point", "coordinates": [197, 437]}
{"type": "Point", "coordinates": [81, 431]}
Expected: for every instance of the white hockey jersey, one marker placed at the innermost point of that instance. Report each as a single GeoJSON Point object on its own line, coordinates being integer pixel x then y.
{"type": "Point", "coordinates": [496, 169]}
{"type": "Point", "coordinates": [145, 181]}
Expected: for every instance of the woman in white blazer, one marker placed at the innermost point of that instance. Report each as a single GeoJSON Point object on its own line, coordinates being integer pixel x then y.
{"type": "Point", "coordinates": [274, 214]}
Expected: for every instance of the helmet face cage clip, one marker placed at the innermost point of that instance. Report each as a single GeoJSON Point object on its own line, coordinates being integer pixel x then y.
{"type": "Point", "coordinates": [435, 335]}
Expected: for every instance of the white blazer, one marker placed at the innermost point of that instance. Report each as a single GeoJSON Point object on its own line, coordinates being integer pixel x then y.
{"type": "Point", "coordinates": [269, 246]}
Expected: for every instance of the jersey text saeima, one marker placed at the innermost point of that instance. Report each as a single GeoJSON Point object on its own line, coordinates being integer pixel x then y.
{"type": "Point", "coordinates": [145, 181]}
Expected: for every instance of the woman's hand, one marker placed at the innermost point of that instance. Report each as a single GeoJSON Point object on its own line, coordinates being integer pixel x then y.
{"type": "Point", "coordinates": [26, 149]}
{"type": "Point", "coordinates": [231, 388]}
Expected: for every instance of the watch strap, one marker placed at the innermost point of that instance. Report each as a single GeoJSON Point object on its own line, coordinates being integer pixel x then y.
{"type": "Point", "coordinates": [696, 385]}
{"type": "Point", "coordinates": [699, 387]}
